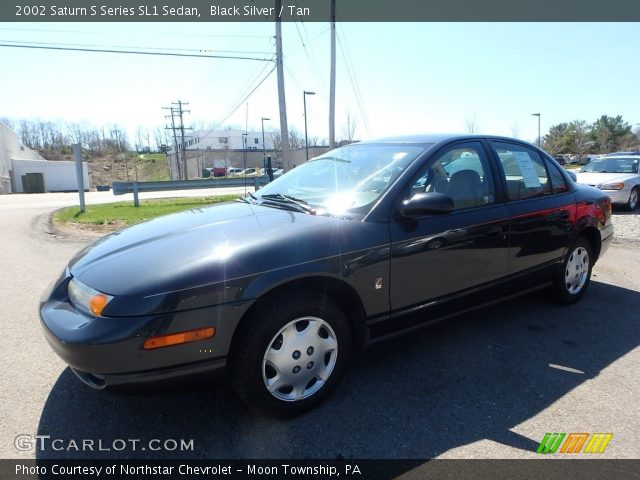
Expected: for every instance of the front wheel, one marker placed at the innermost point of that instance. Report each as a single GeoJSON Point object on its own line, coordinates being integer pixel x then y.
{"type": "Point", "coordinates": [573, 278]}
{"type": "Point", "coordinates": [634, 196]}
{"type": "Point", "coordinates": [290, 353]}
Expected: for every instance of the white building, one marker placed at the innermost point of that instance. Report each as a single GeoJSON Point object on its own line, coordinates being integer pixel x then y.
{"type": "Point", "coordinates": [226, 139]}
{"type": "Point", "coordinates": [17, 160]}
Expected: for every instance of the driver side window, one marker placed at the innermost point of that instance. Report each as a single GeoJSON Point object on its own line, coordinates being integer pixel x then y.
{"type": "Point", "coordinates": [461, 172]}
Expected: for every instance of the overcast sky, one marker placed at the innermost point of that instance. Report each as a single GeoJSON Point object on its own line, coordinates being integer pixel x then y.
{"type": "Point", "coordinates": [392, 78]}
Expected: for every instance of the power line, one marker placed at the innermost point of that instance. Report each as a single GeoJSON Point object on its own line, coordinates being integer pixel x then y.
{"type": "Point", "coordinates": [247, 86]}
{"type": "Point", "coordinates": [130, 47]}
{"type": "Point", "coordinates": [354, 84]}
{"type": "Point", "coordinates": [239, 104]}
{"type": "Point", "coordinates": [312, 64]}
{"type": "Point", "coordinates": [134, 52]}
{"type": "Point", "coordinates": [212, 35]}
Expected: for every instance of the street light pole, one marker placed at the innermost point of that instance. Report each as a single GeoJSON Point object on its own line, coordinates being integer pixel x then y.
{"type": "Point", "coordinates": [244, 156]}
{"type": "Point", "coordinates": [306, 141]}
{"type": "Point", "coordinates": [264, 149]}
{"type": "Point", "coordinates": [538, 115]}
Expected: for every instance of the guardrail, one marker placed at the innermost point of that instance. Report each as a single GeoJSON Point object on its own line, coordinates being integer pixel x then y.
{"type": "Point", "coordinates": [120, 188]}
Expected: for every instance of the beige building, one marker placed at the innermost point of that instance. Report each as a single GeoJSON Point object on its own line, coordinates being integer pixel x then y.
{"type": "Point", "coordinates": [17, 160]}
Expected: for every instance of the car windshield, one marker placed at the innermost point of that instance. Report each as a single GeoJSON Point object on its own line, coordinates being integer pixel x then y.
{"type": "Point", "coordinates": [344, 179]}
{"type": "Point", "coordinates": [613, 165]}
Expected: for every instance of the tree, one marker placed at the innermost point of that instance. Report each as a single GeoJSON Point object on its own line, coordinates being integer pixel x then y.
{"type": "Point", "coordinates": [628, 142]}
{"type": "Point", "coordinates": [558, 139]}
{"type": "Point", "coordinates": [515, 130]}
{"type": "Point", "coordinates": [607, 132]}
{"type": "Point", "coordinates": [296, 140]}
{"type": "Point", "coordinates": [7, 122]}
{"type": "Point", "coordinates": [349, 128]}
{"type": "Point", "coordinates": [472, 124]}
{"type": "Point", "coordinates": [580, 141]}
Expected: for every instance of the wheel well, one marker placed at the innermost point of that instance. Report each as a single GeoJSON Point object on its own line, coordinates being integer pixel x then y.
{"type": "Point", "coordinates": [340, 292]}
{"type": "Point", "coordinates": [593, 237]}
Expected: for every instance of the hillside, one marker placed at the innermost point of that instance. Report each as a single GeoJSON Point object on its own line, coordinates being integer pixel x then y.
{"type": "Point", "coordinates": [107, 168]}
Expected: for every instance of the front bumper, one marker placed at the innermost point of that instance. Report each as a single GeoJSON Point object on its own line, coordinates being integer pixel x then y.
{"type": "Point", "coordinates": [618, 197]}
{"type": "Point", "coordinates": [105, 351]}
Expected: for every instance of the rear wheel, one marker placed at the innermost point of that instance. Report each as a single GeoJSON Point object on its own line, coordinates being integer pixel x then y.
{"type": "Point", "coordinates": [290, 354]}
{"type": "Point", "coordinates": [573, 278]}
{"type": "Point", "coordinates": [634, 196]}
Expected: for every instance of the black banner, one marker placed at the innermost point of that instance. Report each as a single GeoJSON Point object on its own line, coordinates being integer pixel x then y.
{"type": "Point", "coordinates": [579, 469]}
{"type": "Point", "coordinates": [319, 11]}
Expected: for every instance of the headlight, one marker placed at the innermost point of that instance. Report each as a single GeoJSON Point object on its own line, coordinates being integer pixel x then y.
{"type": "Point", "coordinates": [611, 186]}
{"type": "Point", "coordinates": [86, 298]}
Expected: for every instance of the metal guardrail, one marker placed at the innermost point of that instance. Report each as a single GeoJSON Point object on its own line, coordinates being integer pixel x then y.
{"type": "Point", "coordinates": [120, 188]}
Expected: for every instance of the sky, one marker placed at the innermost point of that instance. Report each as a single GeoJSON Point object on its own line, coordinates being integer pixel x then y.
{"type": "Point", "coordinates": [392, 78]}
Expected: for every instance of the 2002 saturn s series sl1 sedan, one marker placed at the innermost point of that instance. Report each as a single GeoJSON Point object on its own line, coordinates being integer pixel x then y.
{"type": "Point", "coordinates": [356, 245]}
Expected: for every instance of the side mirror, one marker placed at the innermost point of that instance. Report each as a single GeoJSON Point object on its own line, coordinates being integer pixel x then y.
{"type": "Point", "coordinates": [573, 175]}
{"type": "Point", "coordinates": [426, 204]}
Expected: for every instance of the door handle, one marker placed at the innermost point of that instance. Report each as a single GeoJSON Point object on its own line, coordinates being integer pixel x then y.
{"type": "Point", "coordinates": [559, 214]}
{"type": "Point", "coordinates": [495, 232]}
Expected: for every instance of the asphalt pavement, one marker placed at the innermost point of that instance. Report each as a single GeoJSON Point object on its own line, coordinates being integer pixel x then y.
{"type": "Point", "coordinates": [488, 384]}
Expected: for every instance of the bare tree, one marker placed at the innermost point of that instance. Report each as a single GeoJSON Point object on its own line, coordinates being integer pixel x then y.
{"type": "Point", "coordinates": [472, 124]}
{"type": "Point", "coordinates": [296, 139]}
{"type": "Point", "coordinates": [349, 128]}
{"type": "Point", "coordinates": [628, 142]}
{"type": "Point", "coordinates": [118, 139]}
{"type": "Point", "coordinates": [139, 146]}
{"type": "Point", "coordinates": [515, 131]}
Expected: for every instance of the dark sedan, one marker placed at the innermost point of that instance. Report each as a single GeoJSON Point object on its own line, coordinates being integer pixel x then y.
{"type": "Point", "coordinates": [354, 246]}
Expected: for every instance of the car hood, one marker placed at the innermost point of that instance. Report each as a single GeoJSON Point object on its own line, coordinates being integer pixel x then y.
{"type": "Point", "coordinates": [207, 245]}
{"type": "Point", "coordinates": [595, 178]}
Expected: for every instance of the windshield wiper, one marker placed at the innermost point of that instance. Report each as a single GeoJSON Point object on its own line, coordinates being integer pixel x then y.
{"type": "Point", "coordinates": [244, 199]}
{"type": "Point", "coordinates": [284, 199]}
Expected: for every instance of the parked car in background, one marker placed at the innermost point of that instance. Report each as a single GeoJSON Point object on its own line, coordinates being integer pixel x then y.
{"type": "Point", "coordinates": [617, 175]}
{"type": "Point", "coordinates": [624, 154]}
{"type": "Point", "coordinates": [360, 244]}
{"type": "Point", "coordinates": [231, 171]}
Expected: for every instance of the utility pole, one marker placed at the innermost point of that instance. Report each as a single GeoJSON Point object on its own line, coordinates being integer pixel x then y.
{"type": "Point", "coordinates": [284, 128]}
{"type": "Point", "coordinates": [178, 112]}
{"type": "Point", "coordinates": [175, 139]}
{"type": "Point", "coordinates": [332, 83]}
{"type": "Point", "coordinates": [182, 128]}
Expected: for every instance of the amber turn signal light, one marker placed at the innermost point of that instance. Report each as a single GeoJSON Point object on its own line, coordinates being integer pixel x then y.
{"type": "Point", "coordinates": [97, 304]}
{"type": "Point", "coordinates": [179, 338]}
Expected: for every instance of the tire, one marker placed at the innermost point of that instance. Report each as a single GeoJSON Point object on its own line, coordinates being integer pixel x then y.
{"type": "Point", "coordinates": [572, 279]}
{"type": "Point", "coordinates": [634, 196]}
{"type": "Point", "coordinates": [290, 353]}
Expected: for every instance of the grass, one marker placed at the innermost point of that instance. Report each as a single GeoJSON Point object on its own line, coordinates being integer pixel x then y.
{"type": "Point", "coordinates": [120, 214]}
{"type": "Point", "coordinates": [152, 167]}
{"type": "Point", "coordinates": [154, 157]}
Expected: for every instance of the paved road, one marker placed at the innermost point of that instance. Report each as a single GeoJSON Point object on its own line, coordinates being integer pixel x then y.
{"type": "Point", "coordinates": [486, 385]}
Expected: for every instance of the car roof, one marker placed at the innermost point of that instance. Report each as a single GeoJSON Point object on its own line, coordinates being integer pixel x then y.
{"type": "Point", "coordinates": [437, 138]}
{"type": "Point", "coordinates": [619, 157]}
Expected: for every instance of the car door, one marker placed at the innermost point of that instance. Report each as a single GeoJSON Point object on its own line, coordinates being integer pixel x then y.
{"type": "Point", "coordinates": [540, 204]}
{"type": "Point", "coordinates": [435, 256]}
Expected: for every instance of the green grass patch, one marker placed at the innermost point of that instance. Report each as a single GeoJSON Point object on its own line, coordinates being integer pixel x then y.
{"type": "Point", "coordinates": [154, 157]}
{"type": "Point", "coordinates": [124, 213]}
